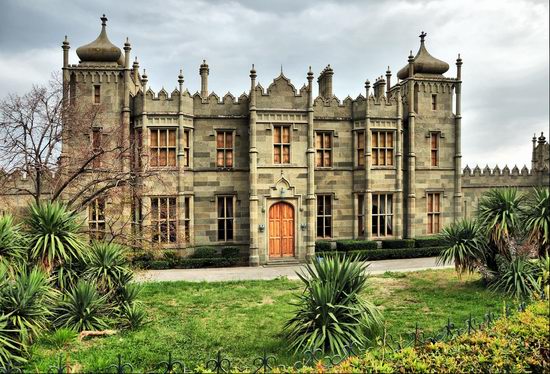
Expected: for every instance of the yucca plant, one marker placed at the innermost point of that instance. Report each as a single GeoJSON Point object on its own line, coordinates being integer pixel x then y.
{"type": "Point", "coordinates": [11, 240]}
{"type": "Point", "coordinates": [500, 212]}
{"type": "Point", "coordinates": [107, 266]}
{"type": "Point", "coordinates": [82, 308]}
{"type": "Point", "coordinates": [10, 348]}
{"type": "Point", "coordinates": [330, 314]}
{"type": "Point", "coordinates": [53, 234]}
{"type": "Point", "coordinates": [60, 338]}
{"type": "Point", "coordinates": [536, 217]}
{"type": "Point", "coordinates": [542, 271]}
{"type": "Point", "coordinates": [128, 293]}
{"type": "Point", "coordinates": [465, 246]}
{"type": "Point", "coordinates": [26, 300]}
{"type": "Point", "coordinates": [518, 279]}
{"type": "Point", "coordinates": [132, 316]}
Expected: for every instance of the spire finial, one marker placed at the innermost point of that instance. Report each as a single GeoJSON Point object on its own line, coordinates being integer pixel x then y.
{"type": "Point", "coordinates": [281, 69]}
{"type": "Point", "coordinates": [422, 37]}
{"type": "Point", "coordinates": [103, 20]}
{"type": "Point", "coordinates": [253, 72]}
{"type": "Point", "coordinates": [180, 77]}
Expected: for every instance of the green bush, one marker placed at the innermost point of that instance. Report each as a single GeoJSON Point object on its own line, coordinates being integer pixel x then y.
{"type": "Point", "coordinates": [205, 252]}
{"type": "Point", "coordinates": [330, 313]}
{"type": "Point", "coordinates": [231, 252]}
{"type": "Point", "coordinates": [429, 241]}
{"type": "Point", "coordinates": [518, 344]}
{"type": "Point", "coordinates": [323, 246]}
{"type": "Point", "coordinates": [82, 308]}
{"type": "Point", "coordinates": [397, 243]}
{"type": "Point", "coordinates": [355, 245]}
{"type": "Point", "coordinates": [156, 265]}
{"type": "Point", "coordinates": [11, 240]}
{"type": "Point", "coordinates": [106, 266]}
{"type": "Point", "coordinates": [143, 257]}
{"type": "Point", "coordinates": [387, 254]}
{"type": "Point", "coordinates": [194, 263]}
{"type": "Point", "coordinates": [171, 257]}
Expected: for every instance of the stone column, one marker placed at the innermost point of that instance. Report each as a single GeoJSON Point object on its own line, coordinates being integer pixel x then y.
{"type": "Point", "coordinates": [458, 152]}
{"type": "Point", "coordinates": [204, 70]}
{"type": "Point", "coordinates": [127, 192]}
{"type": "Point", "coordinates": [66, 84]}
{"type": "Point", "coordinates": [398, 217]}
{"type": "Point", "coordinates": [145, 199]}
{"type": "Point", "coordinates": [310, 153]}
{"type": "Point", "coordinates": [254, 258]}
{"type": "Point", "coordinates": [181, 162]}
{"type": "Point", "coordinates": [367, 162]}
{"type": "Point", "coordinates": [411, 195]}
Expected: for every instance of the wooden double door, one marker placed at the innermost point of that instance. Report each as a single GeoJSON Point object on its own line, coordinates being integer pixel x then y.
{"type": "Point", "coordinates": [281, 230]}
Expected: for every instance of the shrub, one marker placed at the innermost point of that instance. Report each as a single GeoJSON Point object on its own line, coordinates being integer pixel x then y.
{"type": "Point", "coordinates": [330, 313]}
{"type": "Point", "coordinates": [25, 299]}
{"type": "Point", "coordinates": [465, 246]}
{"type": "Point", "coordinates": [82, 308]}
{"type": "Point", "coordinates": [387, 254]}
{"type": "Point", "coordinates": [11, 240]}
{"type": "Point", "coordinates": [355, 245]}
{"type": "Point", "coordinates": [171, 257]}
{"type": "Point", "coordinates": [323, 246]}
{"type": "Point", "coordinates": [143, 257]}
{"type": "Point", "coordinates": [106, 266]}
{"type": "Point", "coordinates": [397, 243]}
{"type": "Point", "coordinates": [537, 219]}
{"type": "Point", "coordinates": [231, 252]}
{"type": "Point", "coordinates": [429, 241]}
{"type": "Point", "coordinates": [518, 278]}
{"type": "Point", "coordinates": [205, 252]}
{"type": "Point", "coordinates": [60, 338]}
{"type": "Point", "coordinates": [10, 348]}
{"type": "Point", "coordinates": [193, 263]}
{"type": "Point", "coordinates": [129, 293]}
{"type": "Point", "coordinates": [53, 234]}
{"type": "Point", "coordinates": [132, 316]}
{"type": "Point", "coordinates": [157, 265]}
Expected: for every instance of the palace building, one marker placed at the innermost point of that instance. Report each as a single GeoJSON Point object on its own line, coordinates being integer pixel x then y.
{"type": "Point", "coordinates": [278, 168]}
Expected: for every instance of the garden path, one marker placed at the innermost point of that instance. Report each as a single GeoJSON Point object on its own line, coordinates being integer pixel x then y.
{"type": "Point", "coordinates": [272, 272]}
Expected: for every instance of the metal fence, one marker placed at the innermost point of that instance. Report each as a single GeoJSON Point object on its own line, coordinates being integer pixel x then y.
{"type": "Point", "coordinates": [266, 363]}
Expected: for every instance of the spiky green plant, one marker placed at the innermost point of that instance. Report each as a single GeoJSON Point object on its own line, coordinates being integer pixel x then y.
{"type": "Point", "coordinates": [11, 240]}
{"type": "Point", "coordinates": [82, 308]}
{"type": "Point", "coordinates": [536, 218]}
{"type": "Point", "coordinates": [26, 301]}
{"type": "Point", "coordinates": [465, 246]}
{"type": "Point", "coordinates": [107, 266]}
{"type": "Point", "coordinates": [132, 316]}
{"type": "Point", "coordinates": [330, 312]}
{"type": "Point", "coordinates": [500, 212]}
{"type": "Point", "coordinates": [128, 293]}
{"type": "Point", "coordinates": [10, 348]}
{"type": "Point", "coordinates": [518, 279]}
{"type": "Point", "coordinates": [53, 234]}
{"type": "Point", "coordinates": [60, 338]}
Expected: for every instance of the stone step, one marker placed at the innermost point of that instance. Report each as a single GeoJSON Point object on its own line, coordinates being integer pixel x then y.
{"type": "Point", "coordinates": [282, 262]}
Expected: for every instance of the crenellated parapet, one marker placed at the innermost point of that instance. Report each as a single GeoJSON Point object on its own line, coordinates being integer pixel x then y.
{"type": "Point", "coordinates": [500, 177]}
{"type": "Point", "coordinates": [214, 105]}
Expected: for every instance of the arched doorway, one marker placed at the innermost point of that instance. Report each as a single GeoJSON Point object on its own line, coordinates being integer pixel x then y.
{"type": "Point", "coordinates": [281, 230]}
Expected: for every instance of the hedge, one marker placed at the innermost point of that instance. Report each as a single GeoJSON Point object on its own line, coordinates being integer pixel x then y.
{"type": "Point", "coordinates": [187, 263]}
{"type": "Point", "coordinates": [355, 245]}
{"type": "Point", "coordinates": [205, 252]}
{"type": "Point", "coordinates": [323, 246]}
{"type": "Point", "coordinates": [517, 344]}
{"type": "Point", "coordinates": [231, 252]}
{"type": "Point", "coordinates": [429, 241]}
{"type": "Point", "coordinates": [398, 243]}
{"type": "Point", "coordinates": [389, 253]}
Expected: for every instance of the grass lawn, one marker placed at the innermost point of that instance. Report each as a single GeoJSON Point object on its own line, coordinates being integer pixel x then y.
{"type": "Point", "coordinates": [245, 319]}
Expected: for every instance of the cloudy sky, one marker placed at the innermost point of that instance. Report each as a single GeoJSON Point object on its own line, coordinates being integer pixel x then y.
{"type": "Point", "coordinates": [504, 45]}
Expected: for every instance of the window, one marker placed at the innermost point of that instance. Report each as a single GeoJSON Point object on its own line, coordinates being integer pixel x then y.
{"type": "Point", "coordinates": [323, 144]}
{"type": "Point", "coordinates": [97, 94]}
{"type": "Point", "coordinates": [96, 147]}
{"type": "Point", "coordinates": [225, 218]}
{"type": "Point", "coordinates": [163, 147]}
{"type": "Point", "coordinates": [360, 148]}
{"type": "Point", "coordinates": [139, 147]}
{"type": "Point", "coordinates": [434, 102]}
{"type": "Point", "coordinates": [361, 215]}
{"type": "Point", "coordinates": [382, 215]}
{"type": "Point", "coordinates": [324, 216]}
{"type": "Point", "coordinates": [187, 220]}
{"type": "Point", "coordinates": [434, 140]}
{"type": "Point", "coordinates": [96, 219]}
{"type": "Point", "coordinates": [382, 148]}
{"type": "Point", "coordinates": [433, 212]}
{"type": "Point", "coordinates": [281, 144]}
{"type": "Point", "coordinates": [186, 148]}
{"type": "Point", "coordinates": [224, 149]}
{"type": "Point", "coordinates": [164, 219]}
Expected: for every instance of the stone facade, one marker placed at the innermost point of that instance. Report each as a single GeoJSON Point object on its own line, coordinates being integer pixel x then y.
{"type": "Point", "coordinates": [383, 165]}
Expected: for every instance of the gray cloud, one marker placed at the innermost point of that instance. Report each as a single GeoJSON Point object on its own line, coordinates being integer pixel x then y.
{"type": "Point", "coordinates": [504, 45]}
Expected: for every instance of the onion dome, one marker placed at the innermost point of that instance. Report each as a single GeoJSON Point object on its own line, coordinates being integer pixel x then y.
{"type": "Point", "coordinates": [424, 63]}
{"type": "Point", "coordinates": [101, 49]}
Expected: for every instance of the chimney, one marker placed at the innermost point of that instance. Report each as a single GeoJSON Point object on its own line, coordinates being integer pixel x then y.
{"type": "Point", "coordinates": [325, 82]}
{"type": "Point", "coordinates": [379, 87]}
{"type": "Point", "coordinates": [204, 70]}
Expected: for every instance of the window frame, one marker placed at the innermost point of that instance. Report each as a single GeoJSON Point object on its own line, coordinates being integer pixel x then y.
{"type": "Point", "coordinates": [380, 216]}
{"type": "Point", "coordinates": [324, 216]}
{"type": "Point", "coordinates": [187, 219]}
{"type": "Point", "coordinates": [96, 94]}
{"type": "Point", "coordinates": [186, 147]}
{"type": "Point", "coordinates": [225, 150]}
{"type": "Point", "coordinates": [385, 149]}
{"type": "Point", "coordinates": [361, 214]}
{"type": "Point", "coordinates": [281, 145]}
{"type": "Point", "coordinates": [432, 213]}
{"type": "Point", "coordinates": [434, 162]}
{"type": "Point", "coordinates": [96, 219]}
{"type": "Point", "coordinates": [360, 151]}
{"type": "Point", "coordinates": [96, 140]}
{"type": "Point", "coordinates": [169, 221]}
{"type": "Point", "coordinates": [323, 150]}
{"type": "Point", "coordinates": [225, 219]}
{"type": "Point", "coordinates": [167, 147]}
{"type": "Point", "coordinates": [434, 101]}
